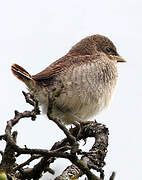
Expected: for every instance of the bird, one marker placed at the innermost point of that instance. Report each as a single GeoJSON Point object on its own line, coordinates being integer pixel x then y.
{"type": "Point", "coordinates": [88, 74]}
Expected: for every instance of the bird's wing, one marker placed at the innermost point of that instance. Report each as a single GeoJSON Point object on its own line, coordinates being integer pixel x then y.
{"type": "Point", "coordinates": [62, 65]}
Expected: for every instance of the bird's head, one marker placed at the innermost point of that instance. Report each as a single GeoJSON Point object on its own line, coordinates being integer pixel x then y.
{"type": "Point", "coordinates": [95, 44]}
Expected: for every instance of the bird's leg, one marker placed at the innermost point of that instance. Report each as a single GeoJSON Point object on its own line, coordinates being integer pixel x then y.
{"type": "Point", "coordinates": [79, 126]}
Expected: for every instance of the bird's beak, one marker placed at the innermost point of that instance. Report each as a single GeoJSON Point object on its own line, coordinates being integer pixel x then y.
{"type": "Point", "coordinates": [117, 58]}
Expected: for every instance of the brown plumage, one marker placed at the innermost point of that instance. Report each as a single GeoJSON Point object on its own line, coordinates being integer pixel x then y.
{"type": "Point", "coordinates": [88, 73]}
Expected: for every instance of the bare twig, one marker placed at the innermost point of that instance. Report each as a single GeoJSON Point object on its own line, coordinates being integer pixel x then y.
{"type": "Point", "coordinates": [33, 157]}
{"type": "Point", "coordinates": [112, 176]}
{"type": "Point", "coordinates": [8, 158]}
{"type": "Point", "coordinates": [2, 137]}
{"type": "Point", "coordinates": [1, 152]}
{"type": "Point", "coordinates": [30, 99]}
{"type": "Point", "coordinates": [71, 172]}
{"type": "Point", "coordinates": [67, 148]}
{"type": "Point", "coordinates": [71, 139]}
{"type": "Point", "coordinates": [35, 172]}
{"type": "Point", "coordinates": [94, 159]}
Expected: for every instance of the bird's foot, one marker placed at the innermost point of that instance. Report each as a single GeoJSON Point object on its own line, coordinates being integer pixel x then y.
{"type": "Point", "coordinates": [78, 129]}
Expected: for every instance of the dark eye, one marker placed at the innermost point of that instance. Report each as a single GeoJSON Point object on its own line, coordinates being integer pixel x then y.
{"type": "Point", "coordinates": [108, 49]}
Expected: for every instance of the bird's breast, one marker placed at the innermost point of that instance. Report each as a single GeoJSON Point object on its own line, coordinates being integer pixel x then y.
{"type": "Point", "coordinates": [87, 89]}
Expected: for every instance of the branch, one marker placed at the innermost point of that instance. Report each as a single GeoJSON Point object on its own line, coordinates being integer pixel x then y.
{"type": "Point", "coordinates": [8, 158]}
{"type": "Point", "coordinates": [33, 157]}
{"type": "Point", "coordinates": [94, 159]}
{"type": "Point", "coordinates": [67, 148]}
{"type": "Point", "coordinates": [112, 176]}
{"type": "Point", "coordinates": [1, 152]}
{"type": "Point", "coordinates": [35, 172]}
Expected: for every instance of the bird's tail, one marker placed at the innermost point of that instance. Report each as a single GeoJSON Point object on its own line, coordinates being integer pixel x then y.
{"type": "Point", "coordinates": [23, 75]}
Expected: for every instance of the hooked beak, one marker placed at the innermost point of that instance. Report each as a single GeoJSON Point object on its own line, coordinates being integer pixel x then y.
{"type": "Point", "coordinates": [117, 58]}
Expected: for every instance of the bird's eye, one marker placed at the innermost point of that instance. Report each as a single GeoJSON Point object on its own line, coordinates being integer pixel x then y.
{"type": "Point", "coordinates": [108, 49]}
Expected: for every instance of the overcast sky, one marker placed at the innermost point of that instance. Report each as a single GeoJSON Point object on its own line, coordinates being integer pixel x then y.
{"type": "Point", "coordinates": [35, 33]}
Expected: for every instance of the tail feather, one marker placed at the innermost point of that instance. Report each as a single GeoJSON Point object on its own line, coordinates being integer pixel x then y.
{"type": "Point", "coordinates": [22, 75]}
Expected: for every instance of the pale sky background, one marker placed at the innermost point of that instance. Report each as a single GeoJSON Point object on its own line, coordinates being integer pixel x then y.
{"type": "Point", "coordinates": [34, 33]}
